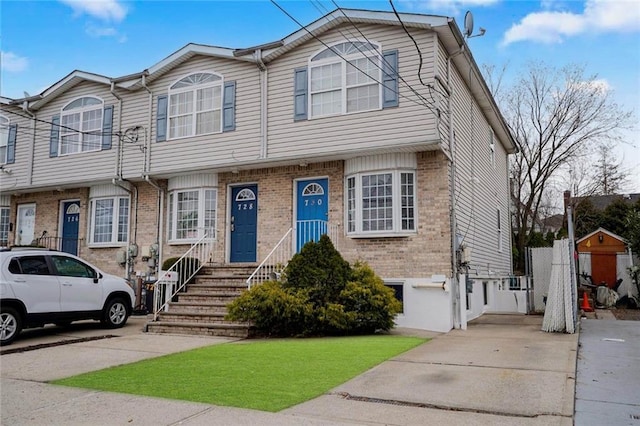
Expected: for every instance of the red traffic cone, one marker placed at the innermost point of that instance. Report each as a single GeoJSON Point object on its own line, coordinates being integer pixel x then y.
{"type": "Point", "coordinates": [586, 307]}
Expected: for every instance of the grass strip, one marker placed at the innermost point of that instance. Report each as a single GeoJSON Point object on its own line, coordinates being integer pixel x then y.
{"type": "Point", "coordinates": [266, 375]}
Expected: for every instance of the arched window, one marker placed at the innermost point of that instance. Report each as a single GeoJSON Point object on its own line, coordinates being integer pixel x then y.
{"type": "Point", "coordinates": [345, 78]}
{"type": "Point", "coordinates": [81, 125]}
{"type": "Point", "coordinates": [195, 105]}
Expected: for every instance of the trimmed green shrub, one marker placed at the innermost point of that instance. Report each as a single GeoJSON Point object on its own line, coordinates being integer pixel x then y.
{"type": "Point", "coordinates": [320, 294]}
{"type": "Point", "coordinates": [372, 304]}
{"type": "Point", "coordinates": [273, 310]}
{"type": "Point", "coordinates": [320, 270]}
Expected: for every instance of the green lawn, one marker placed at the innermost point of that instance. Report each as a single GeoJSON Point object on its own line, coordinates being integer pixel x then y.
{"type": "Point", "coordinates": [268, 375]}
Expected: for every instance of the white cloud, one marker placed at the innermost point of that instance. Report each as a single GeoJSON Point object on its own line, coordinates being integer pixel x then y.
{"type": "Point", "coordinates": [601, 86]}
{"type": "Point", "coordinates": [446, 6]}
{"type": "Point", "coordinates": [106, 10]}
{"type": "Point", "coordinates": [555, 26]}
{"type": "Point", "coordinates": [11, 62]}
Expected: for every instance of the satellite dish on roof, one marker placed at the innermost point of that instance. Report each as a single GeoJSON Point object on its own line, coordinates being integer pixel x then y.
{"type": "Point", "coordinates": [468, 24]}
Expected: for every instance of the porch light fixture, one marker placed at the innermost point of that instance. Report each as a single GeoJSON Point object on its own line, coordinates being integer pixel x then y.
{"type": "Point", "coordinates": [600, 238]}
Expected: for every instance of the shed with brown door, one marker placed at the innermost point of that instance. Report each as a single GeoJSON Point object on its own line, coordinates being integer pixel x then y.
{"type": "Point", "coordinates": [603, 248]}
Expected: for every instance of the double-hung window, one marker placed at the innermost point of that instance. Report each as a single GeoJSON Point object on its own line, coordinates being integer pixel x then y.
{"type": "Point", "coordinates": [4, 226]}
{"type": "Point", "coordinates": [81, 126]}
{"type": "Point", "coordinates": [4, 138]}
{"type": "Point", "coordinates": [345, 78]}
{"type": "Point", "coordinates": [192, 212]}
{"type": "Point", "coordinates": [195, 105]}
{"type": "Point", "coordinates": [109, 220]}
{"type": "Point", "coordinates": [381, 203]}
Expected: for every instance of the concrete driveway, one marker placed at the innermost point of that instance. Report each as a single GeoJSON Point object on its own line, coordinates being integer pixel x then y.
{"type": "Point", "coordinates": [501, 371]}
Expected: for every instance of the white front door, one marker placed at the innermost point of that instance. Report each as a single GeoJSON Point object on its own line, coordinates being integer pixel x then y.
{"type": "Point", "coordinates": [25, 231]}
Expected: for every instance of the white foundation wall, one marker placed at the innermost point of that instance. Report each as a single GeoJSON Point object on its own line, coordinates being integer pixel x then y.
{"type": "Point", "coordinates": [425, 307]}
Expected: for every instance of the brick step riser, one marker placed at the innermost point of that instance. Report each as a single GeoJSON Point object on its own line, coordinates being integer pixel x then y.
{"type": "Point", "coordinates": [238, 273]}
{"type": "Point", "coordinates": [222, 282]}
{"type": "Point", "coordinates": [205, 298]}
{"type": "Point", "coordinates": [198, 331]}
{"type": "Point", "coordinates": [219, 291]}
{"type": "Point", "coordinates": [207, 319]}
{"type": "Point", "coordinates": [188, 309]}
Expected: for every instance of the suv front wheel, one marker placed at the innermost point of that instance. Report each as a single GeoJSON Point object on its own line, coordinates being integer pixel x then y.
{"type": "Point", "coordinates": [115, 313]}
{"type": "Point", "coordinates": [10, 324]}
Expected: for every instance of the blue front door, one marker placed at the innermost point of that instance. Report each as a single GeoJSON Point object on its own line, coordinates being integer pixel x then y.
{"type": "Point", "coordinates": [312, 210]}
{"type": "Point", "coordinates": [70, 226]}
{"type": "Point", "coordinates": [244, 223]}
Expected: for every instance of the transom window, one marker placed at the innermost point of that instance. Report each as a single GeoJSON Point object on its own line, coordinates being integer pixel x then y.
{"type": "Point", "coordinates": [191, 213]}
{"type": "Point", "coordinates": [312, 189]}
{"type": "Point", "coordinates": [345, 78]}
{"type": "Point", "coordinates": [195, 105]}
{"type": "Point", "coordinates": [245, 195]}
{"type": "Point", "coordinates": [109, 221]}
{"type": "Point", "coordinates": [4, 138]}
{"type": "Point", "coordinates": [381, 202]}
{"type": "Point", "coordinates": [81, 126]}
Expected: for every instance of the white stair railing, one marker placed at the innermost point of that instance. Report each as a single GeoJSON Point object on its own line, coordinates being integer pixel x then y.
{"type": "Point", "coordinates": [278, 259]}
{"type": "Point", "coordinates": [274, 263]}
{"type": "Point", "coordinates": [173, 280]}
{"type": "Point", "coordinates": [312, 230]}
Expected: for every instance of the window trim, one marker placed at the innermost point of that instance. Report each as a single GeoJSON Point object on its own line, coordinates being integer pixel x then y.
{"type": "Point", "coordinates": [6, 142]}
{"type": "Point", "coordinates": [396, 194]}
{"type": "Point", "coordinates": [113, 242]}
{"type": "Point", "coordinates": [499, 228]}
{"type": "Point", "coordinates": [343, 60]}
{"type": "Point", "coordinates": [64, 131]}
{"type": "Point", "coordinates": [5, 213]}
{"type": "Point", "coordinates": [194, 88]}
{"type": "Point", "coordinates": [172, 205]}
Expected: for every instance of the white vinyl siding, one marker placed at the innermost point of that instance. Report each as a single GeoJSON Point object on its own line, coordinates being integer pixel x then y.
{"type": "Point", "coordinates": [195, 105]}
{"type": "Point", "coordinates": [191, 213]}
{"type": "Point", "coordinates": [81, 126]}
{"type": "Point", "coordinates": [410, 127]}
{"type": "Point", "coordinates": [109, 221]}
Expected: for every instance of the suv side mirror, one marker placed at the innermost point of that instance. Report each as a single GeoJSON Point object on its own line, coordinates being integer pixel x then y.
{"type": "Point", "coordinates": [96, 277]}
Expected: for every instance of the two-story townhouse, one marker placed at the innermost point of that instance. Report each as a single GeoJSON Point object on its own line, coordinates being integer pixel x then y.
{"type": "Point", "coordinates": [378, 131]}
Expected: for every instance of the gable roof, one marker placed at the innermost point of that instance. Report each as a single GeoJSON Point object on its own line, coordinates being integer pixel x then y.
{"type": "Point", "coordinates": [447, 30]}
{"type": "Point", "coordinates": [604, 231]}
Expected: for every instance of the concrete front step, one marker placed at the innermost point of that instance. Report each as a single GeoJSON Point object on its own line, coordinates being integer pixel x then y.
{"type": "Point", "coordinates": [216, 288]}
{"type": "Point", "coordinates": [193, 317]}
{"type": "Point", "coordinates": [202, 307]}
{"type": "Point", "coordinates": [240, 271]}
{"type": "Point", "coordinates": [222, 280]}
{"type": "Point", "coordinates": [199, 329]}
{"type": "Point", "coordinates": [207, 297]}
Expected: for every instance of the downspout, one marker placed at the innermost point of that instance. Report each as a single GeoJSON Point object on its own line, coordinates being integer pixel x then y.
{"type": "Point", "coordinates": [118, 171]}
{"type": "Point", "coordinates": [455, 287]}
{"type": "Point", "coordinates": [147, 168]}
{"type": "Point", "coordinates": [25, 108]}
{"type": "Point", "coordinates": [264, 74]}
{"type": "Point", "coordinates": [147, 142]}
{"type": "Point", "coordinates": [160, 218]}
{"type": "Point", "coordinates": [134, 227]}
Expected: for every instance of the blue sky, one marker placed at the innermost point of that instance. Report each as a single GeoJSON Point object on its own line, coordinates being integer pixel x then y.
{"type": "Point", "coordinates": [43, 41]}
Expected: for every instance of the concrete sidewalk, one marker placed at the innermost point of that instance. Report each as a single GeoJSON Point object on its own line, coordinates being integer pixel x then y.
{"type": "Point", "coordinates": [608, 386]}
{"type": "Point", "coordinates": [501, 371]}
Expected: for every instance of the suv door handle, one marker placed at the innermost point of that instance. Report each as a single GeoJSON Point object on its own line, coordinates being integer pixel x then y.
{"type": "Point", "coordinates": [67, 284]}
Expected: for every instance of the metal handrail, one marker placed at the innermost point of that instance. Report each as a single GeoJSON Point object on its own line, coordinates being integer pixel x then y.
{"type": "Point", "coordinates": [200, 250]}
{"type": "Point", "coordinates": [274, 263]}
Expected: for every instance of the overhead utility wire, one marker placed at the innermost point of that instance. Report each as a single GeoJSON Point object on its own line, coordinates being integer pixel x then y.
{"type": "Point", "coordinates": [431, 104]}
{"type": "Point", "coordinates": [339, 55]}
{"type": "Point", "coordinates": [417, 48]}
{"type": "Point", "coordinates": [120, 135]}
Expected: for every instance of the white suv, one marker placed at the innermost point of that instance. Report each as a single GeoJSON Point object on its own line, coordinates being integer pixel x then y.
{"type": "Point", "coordinates": [38, 287]}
